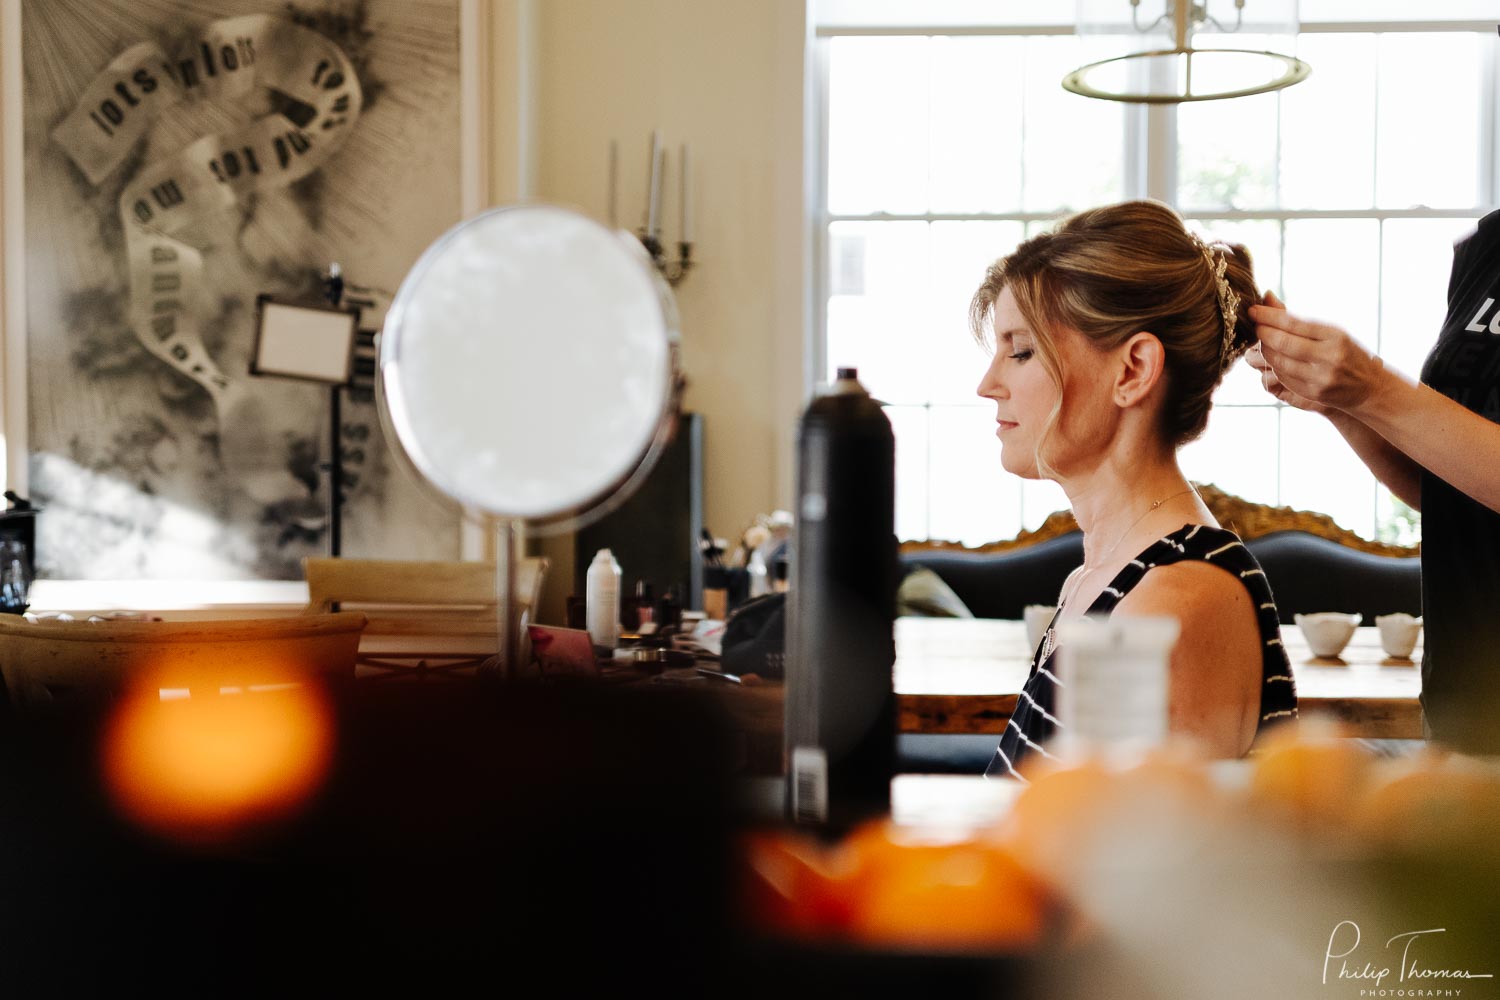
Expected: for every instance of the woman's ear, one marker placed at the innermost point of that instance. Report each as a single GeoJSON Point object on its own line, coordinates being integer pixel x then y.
{"type": "Point", "coordinates": [1143, 360]}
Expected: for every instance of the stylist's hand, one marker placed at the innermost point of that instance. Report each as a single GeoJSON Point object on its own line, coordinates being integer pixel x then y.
{"type": "Point", "coordinates": [1312, 366]}
{"type": "Point", "coordinates": [1272, 384]}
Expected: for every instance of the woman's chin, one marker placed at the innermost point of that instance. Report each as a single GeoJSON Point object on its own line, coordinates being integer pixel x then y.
{"type": "Point", "coordinates": [1025, 468]}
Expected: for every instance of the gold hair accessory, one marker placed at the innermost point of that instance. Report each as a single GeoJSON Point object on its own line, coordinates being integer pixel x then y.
{"type": "Point", "coordinates": [1229, 301]}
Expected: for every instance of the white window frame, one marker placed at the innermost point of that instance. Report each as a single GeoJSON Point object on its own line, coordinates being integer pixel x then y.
{"type": "Point", "coordinates": [1150, 161]}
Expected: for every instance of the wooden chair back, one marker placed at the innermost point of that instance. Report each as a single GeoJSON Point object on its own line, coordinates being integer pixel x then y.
{"type": "Point", "coordinates": [403, 597]}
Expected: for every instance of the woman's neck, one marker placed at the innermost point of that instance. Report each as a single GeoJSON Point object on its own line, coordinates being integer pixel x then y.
{"type": "Point", "coordinates": [1119, 499]}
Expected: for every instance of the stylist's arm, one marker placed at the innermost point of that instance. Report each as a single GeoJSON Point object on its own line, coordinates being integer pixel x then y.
{"type": "Point", "coordinates": [1395, 425]}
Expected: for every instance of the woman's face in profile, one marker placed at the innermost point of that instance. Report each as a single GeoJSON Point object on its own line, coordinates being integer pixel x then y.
{"type": "Point", "coordinates": [1022, 391]}
{"type": "Point", "coordinates": [1025, 394]}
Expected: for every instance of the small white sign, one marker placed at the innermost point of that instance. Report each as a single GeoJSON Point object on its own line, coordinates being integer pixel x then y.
{"type": "Point", "coordinates": [809, 785]}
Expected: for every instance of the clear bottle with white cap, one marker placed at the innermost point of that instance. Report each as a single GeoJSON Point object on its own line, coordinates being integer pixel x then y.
{"type": "Point", "coordinates": [602, 600]}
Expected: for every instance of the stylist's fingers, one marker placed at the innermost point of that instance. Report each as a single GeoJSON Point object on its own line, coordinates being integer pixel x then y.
{"type": "Point", "coordinates": [1338, 377]}
{"type": "Point", "coordinates": [1276, 343]}
{"type": "Point", "coordinates": [1277, 317]}
{"type": "Point", "coordinates": [1255, 359]}
{"type": "Point", "coordinates": [1272, 384]}
{"type": "Point", "coordinates": [1275, 387]}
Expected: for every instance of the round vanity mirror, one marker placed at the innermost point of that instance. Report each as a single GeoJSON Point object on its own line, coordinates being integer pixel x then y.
{"type": "Point", "coordinates": [528, 365]}
{"type": "Point", "coordinates": [528, 371]}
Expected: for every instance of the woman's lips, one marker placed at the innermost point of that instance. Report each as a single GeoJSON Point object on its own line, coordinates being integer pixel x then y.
{"type": "Point", "coordinates": [1001, 426]}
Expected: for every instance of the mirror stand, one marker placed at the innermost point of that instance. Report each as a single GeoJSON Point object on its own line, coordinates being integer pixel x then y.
{"type": "Point", "coordinates": [510, 546]}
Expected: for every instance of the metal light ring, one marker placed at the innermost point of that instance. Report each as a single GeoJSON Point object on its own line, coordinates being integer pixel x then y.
{"type": "Point", "coordinates": [1296, 72]}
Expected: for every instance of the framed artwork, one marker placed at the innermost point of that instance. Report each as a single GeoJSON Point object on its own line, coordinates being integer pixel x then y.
{"type": "Point", "coordinates": [177, 160]}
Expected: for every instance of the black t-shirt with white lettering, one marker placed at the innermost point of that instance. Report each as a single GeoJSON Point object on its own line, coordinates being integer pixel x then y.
{"type": "Point", "coordinates": [1461, 537]}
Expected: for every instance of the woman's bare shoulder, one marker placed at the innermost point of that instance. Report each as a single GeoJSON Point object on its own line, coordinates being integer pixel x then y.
{"type": "Point", "coordinates": [1192, 590]}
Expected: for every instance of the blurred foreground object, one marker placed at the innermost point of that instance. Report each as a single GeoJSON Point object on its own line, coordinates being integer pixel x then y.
{"type": "Point", "coordinates": [1169, 877]}
{"type": "Point", "coordinates": [461, 834]}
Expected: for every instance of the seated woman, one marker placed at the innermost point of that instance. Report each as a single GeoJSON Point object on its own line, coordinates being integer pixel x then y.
{"type": "Point", "coordinates": [1110, 335]}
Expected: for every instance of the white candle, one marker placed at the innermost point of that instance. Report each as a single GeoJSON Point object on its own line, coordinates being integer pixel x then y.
{"type": "Point", "coordinates": [687, 197]}
{"type": "Point", "coordinates": [614, 184]}
{"type": "Point", "coordinates": [653, 193]}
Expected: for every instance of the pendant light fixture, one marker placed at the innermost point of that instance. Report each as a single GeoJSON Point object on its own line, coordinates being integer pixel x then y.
{"type": "Point", "coordinates": [1186, 50]}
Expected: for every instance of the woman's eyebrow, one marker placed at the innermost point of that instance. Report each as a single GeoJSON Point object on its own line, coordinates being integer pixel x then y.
{"type": "Point", "coordinates": [1013, 333]}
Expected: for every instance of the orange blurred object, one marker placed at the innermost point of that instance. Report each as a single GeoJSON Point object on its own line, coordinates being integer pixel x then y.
{"type": "Point", "coordinates": [941, 893]}
{"type": "Point", "coordinates": [794, 885]}
{"type": "Point", "coordinates": [1058, 808]}
{"type": "Point", "coordinates": [1313, 780]}
{"type": "Point", "coordinates": [1433, 803]}
{"type": "Point", "coordinates": [207, 768]}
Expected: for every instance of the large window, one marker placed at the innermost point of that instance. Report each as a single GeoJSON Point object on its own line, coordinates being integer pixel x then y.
{"type": "Point", "coordinates": [942, 151]}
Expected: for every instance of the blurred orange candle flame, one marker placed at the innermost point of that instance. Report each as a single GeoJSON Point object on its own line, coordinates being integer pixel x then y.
{"type": "Point", "coordinates": [209, 767]}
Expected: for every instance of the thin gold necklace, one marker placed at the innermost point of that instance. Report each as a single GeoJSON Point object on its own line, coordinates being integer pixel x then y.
{"type": "Point", "coordinates": [1073, 590]}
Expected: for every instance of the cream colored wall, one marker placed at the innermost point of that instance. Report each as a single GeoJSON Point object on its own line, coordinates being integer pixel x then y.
{"type": "Point", "coordinates": [726, 77]}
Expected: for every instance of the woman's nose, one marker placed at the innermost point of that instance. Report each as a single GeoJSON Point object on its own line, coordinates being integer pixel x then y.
{"type": "Point", "coordinates": [990, 385]}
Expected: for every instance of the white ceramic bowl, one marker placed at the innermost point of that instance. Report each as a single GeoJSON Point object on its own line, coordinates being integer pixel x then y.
{"type": "Point", "coordinates": [1327, 632]}
{"type": "Point", "coordinates": [1398, 634]}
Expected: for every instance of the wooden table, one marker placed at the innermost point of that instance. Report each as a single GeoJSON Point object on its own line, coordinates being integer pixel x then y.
{"type": "Point", "coordinates": [963, 676]}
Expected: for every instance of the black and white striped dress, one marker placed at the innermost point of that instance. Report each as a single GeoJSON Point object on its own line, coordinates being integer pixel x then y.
{"type": "Point", "coordinates": [1035, 718]}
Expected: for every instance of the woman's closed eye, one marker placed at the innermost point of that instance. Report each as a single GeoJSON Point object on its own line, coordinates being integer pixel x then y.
{"type": "Point", "coordinates": [1020, 355]}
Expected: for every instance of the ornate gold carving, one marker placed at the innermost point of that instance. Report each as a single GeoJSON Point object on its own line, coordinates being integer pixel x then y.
{"type": "Point", "coordinates": [1246, 519]}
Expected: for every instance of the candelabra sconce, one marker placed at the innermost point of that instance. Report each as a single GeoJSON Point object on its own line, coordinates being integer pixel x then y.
{"type": "Point", "coordinates": [672, 270]}
{"type": "Point", "coordinates": [650, 234]}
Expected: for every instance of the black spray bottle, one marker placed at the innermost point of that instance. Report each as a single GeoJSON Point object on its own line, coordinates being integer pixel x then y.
{"type": "Point", "coordinates": [840, 693]}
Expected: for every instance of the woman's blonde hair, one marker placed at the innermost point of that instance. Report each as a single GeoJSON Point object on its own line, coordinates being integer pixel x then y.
{"type": "Point", "coordinates": [1115, 271]}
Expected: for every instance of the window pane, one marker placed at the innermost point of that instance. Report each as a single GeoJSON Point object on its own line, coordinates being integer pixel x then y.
{"type": "Point", "coordinates": [910, 425]}
{"type": "Point", "coordinates": [1319, 471]}
{"type": "Point", "coordinates": [1417, 256]}
{"type": "Point", "coordinates": [1037, 226]}
{"type": "Point", "coordinates": [880, 330]}
{"type": "Point", "coordinates": [1331, 272]}
{"type": "Point", "coordinates": [1039, 499]}
{"type": "Point", "coordinates": [1394, 521]}
{"type": "Point", "coordinates": [1073, 144]}
{"type": "Point", "coordinates": [1328, 125]}
{"type": "Point", "coordinates": [877, 125]}
{"type": "Point", "coordinates": [972, 498]}
{"type": "Point", "coordinates": [1237, 453]}
{"type": "Point", "coordinates": [976, 124]}
{"type": "Point", "coordinates": [961, 251]}
{"type": "Point", "coordinates": [1241, 387]}
{"type": "Point", "coordinates": [1226, 154]}
{"type": "Point", "coordinates": [1429, 122]}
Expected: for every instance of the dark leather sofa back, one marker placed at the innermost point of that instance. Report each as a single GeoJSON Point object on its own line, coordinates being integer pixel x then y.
{"type": "Point", "coordinates": [1307, 573]}
{"type": "Point", "coordinates": [1001, 584]}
